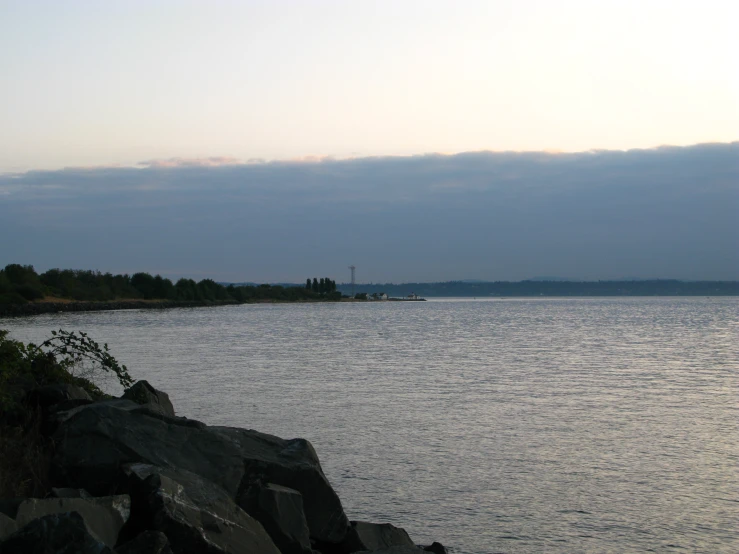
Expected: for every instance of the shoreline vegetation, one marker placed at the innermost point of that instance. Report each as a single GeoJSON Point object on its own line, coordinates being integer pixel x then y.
{"type": "Point", "coordinates": [82, 471]}
{"type": "Point", "coordinates": [24, 292]}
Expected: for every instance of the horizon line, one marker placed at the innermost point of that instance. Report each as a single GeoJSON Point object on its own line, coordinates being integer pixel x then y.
{"type": "Point", "coordinates": [178, 162]}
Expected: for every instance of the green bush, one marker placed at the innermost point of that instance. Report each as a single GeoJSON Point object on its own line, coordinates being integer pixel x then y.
{"type": "Point", "coordinates": [29, 292]}
{"type": "Point", "coordinates": [65, 357]}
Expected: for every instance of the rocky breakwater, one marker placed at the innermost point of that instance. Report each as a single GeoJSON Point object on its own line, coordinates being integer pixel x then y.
{"type": "Point", "coordinates": [128, 476]}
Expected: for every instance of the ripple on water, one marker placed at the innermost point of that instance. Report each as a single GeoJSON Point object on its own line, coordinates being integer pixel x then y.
{"type": "Point", "coordinates": [557, 425]}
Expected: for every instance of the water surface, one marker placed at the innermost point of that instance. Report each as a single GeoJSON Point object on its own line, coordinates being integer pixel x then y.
{"type": "Point", "coordinates": [529, 425]}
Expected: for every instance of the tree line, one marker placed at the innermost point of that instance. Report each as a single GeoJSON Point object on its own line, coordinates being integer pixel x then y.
{"type": "Point", "coordinates": [20, 284]}
{"type": "Point", "coordinates": [323, 286]}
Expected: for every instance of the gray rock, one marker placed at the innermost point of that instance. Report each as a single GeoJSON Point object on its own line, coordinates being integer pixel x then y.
{"type": "Point", "coordinates": [9, 506]}
{"type": "Point", "coordinates": [104, 517]}
{"type": "Point", "coordinates": [143, 393]}
{"type": "Point", "coordinates": [69, 493]}
{"type": "Point", "coordinates": [280, 510]}
{"type": "Point", "coordinates": [375, 536]}
{"type": "Point", "coordinates": [51, 398]}
{"type": "Point", "coordinates": [8, 526]}
{"type": "Point", "coordinates": [436, 548]}
{"type": "Point", "coordinates": [93, 441]}
{"type": "Point", "coordinates": [60, 416]}
{"type": "Point", "coordinates": [54, 534]}
{"type": "Point", "coordinates": [53, 394]}
{"type": "Point", "coordinates": [294, 464]}
{"type": "Point", "coordinates": [195, 515]}
{"type": "Point", "coordinates": [394, 550]}
{"type": "Point", "coordinates": [148, 542]}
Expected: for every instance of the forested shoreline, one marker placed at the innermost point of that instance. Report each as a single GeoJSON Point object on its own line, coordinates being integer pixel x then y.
{"type": "Point", "coordinates": [23, 291]}
{"type": "Point", "coordinates": [22, 285]}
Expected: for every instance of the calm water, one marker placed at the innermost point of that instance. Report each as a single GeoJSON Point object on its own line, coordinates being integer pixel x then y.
{"type": "Point", "coordinates": [543, 425]}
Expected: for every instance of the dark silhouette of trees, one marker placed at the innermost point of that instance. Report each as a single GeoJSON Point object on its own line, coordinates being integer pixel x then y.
{"type": "Point", "coordinates": [21, 281]}
{"type": "Point", "coordinates": [20, 284]}
{"type": "Point", "coordinates": [325, 287]}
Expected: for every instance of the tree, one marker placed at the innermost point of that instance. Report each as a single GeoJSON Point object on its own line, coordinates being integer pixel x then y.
{"type": "Point", "coordinates": [315, 285]}
{"type": "Point", "coordinates": [24, 281]}
{"type": "Point", "coordinates": [307, 284]}
{"type": "Point", "coordinates": [144, 284]}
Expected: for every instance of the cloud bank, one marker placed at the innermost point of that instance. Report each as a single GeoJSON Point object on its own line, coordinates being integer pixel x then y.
{"type": "Point", "coordinates": [664, 212]}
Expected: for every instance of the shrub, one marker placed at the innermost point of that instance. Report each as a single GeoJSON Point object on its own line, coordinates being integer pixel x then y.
{"type": "Point", "coordinates": [66, 357]}
{"type": "Point", "coordinates": [29, 292]}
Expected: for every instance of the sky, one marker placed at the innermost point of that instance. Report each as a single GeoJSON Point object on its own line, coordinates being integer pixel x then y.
{"type": "Point", "coordinates": [108, 104]}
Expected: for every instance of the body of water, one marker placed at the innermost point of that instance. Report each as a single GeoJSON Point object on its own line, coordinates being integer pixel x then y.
{"type": "Point", "coordinates": [516, 425]}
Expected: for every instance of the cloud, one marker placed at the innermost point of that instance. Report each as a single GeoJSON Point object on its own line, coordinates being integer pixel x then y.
{"type": "Point", "coordinates": [214, 161]}
{"type": "Point", "coordinates": [664, 212]}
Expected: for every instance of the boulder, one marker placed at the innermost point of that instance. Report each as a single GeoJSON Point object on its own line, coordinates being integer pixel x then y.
{"type": "Point", "coordinates": [9, 506]}
{"type": "Point", "coordinates": [54, 394]}
{"type": "Point", "coordinates": [148, 542]}
{"type": "Point", "coordinates": [374, 536]}
{"type": "Point", "coordinates": [394, 550]}
{"type": "Point", "coordinates": [94, 440]}
{"type": "Point", "coordinates": [8, 526]}
{"type": "Point", "coordinates": [69, 493]}
{"type": "Point", "coordinates": [294, 464]}
{"type": "Point", "coordinates": [60, 413]}
{"type": "Point", "coordinates": [51, 398]}
{"type": "Point", "coordinates": [280, 510]}
{"type": "Point", "coordinates": [104, 517]}
{"type": "Point", "coordinates": [436, 548]}
{"type": "Point", "coordinates": [64, 533]}
{"type": "Point", "coordinates": [143, 393]}
{"type": "Point", "coordinates": [195, 515]}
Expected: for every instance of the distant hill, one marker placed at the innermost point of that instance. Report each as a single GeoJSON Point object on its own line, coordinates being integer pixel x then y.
{"type": "Point", "coordinates": [551, 279]}
{"type": "Point", "coordinates": [656, 287]}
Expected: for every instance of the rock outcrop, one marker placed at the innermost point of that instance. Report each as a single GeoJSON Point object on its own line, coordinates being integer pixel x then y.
{"type": "Point", "coordinates": [143, 393]}
{"type": "Point", "coordinates": [148, 542]}
{"type": "Point", "coordinates": [195, 515]}
{"type": "Point", "coordinates": [8, 526]}
{"type": "Point", "coordinates": [280, 510]}
{"type": "Point", "coordinates": [63, 533]}
{"type": "Point", "coordinates": [96, 440]}
{"type": "Point", "coordinates": [129, 477]}
{"type": "Point", "coordinates": [103, 517]}
{"type": "Point", "coordinates": [374, 536]}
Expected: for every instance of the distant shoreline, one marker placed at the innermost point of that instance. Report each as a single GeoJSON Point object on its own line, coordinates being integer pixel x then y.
{"type": "Point", "coordinates": [38, 308]}
{"type": "Point", "coordinates": [528, 289]}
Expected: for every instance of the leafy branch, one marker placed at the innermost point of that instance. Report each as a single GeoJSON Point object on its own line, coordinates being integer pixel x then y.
{"type": "Point", "coordinates": [73, 351]}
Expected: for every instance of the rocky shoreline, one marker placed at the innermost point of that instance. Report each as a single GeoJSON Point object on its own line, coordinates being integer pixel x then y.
{"type": "Point", "coordinates": [128, 476]}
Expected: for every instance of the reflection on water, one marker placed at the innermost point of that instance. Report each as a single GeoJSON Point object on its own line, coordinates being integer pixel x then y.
{"type": "Point", "coordinates": [537, 425]}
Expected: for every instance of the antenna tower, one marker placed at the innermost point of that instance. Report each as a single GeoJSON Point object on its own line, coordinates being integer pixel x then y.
{"type": "Point", "coordinates": [353, 268]}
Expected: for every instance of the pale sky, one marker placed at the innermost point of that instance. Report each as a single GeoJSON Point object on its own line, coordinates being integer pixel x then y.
{"type": "Point", "coordinates": [119, 82]}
